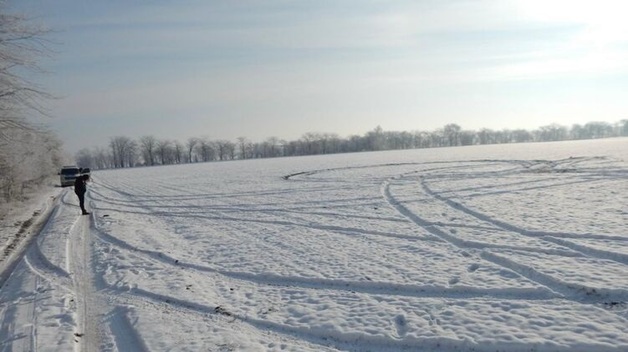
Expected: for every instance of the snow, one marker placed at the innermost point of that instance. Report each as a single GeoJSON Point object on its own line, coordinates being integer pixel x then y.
{"type": "Point", "coordinates": [489, 248]}
{"type": "Point", "coordinates": [21, 220]}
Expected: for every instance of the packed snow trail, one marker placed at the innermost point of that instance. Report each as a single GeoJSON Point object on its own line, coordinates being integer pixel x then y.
{"type": "Point", "coordinates": [51, 302]}
{"type": "Point", "coordinates": [87, 333]}
{"type": "Point", "coordinates": [38, 301]}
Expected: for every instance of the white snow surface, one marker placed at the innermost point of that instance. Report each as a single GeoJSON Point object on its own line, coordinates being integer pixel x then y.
{"type": "Point", "coordinates": [488, 248]}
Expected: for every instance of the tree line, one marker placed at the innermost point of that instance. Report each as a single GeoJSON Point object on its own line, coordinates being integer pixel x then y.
{"type": "Point", "coordinates": [29, 153]}
{"type": "Point", "coordinates": [148, 150]}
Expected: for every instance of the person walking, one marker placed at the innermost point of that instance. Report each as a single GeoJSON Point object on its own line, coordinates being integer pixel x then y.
{"type": "Point", "coordinates": [80, 188]}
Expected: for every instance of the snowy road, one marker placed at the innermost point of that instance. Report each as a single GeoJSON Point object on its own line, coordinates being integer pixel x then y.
{"type": "Point", "coordinates": [335, 253]}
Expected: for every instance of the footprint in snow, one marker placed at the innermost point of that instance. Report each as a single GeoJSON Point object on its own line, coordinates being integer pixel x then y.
{"type": "Point", "coordinates": [473, 267]}
{"type": "Point", "coordinates": [401, 325]}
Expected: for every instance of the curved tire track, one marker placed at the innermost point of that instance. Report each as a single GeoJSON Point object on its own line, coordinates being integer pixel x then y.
{"type": "Point", "coordinates": [573, 292]}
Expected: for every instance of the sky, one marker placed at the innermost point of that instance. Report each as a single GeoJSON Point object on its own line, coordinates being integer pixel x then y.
{"type": "Point", "coordinates": [225, 69]}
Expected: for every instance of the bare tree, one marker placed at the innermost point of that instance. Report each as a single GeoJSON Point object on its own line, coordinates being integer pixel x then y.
{"type": "Point", "coordinates": [270, 147]}
{"type": "Point", "coordinates": [553, 132]}
{"type": "Point", "coordinates": [206, 149]}
{"type": "Point", "coordinates": [30, 162]}
{"type": "Point", "coordinates": [147, 149]}
{"type": "Point", "coordinates": [309, 141]}
{"type": "Point", "coordinates": [190, 145]}
{"type": "Point", "coordinates": [467, 137]}
{"type": "Point", "coordinates": [244, 147]}
{"type": "Point", "coordinates": [124, 151]}
{"type": "Point", "coordinates": [178, 152]}
{"type": "Point", "coordinates": [102, 159]}
{"type": "Point", "coordinates": [164, 150]}
{"type": "Point", "coordinates": [452, 134]}
{"type": "Point", "coordinates": [28, 153]}
{"type": "Point", "coordinates": [376, 140]}
{"type": "Point", "coordinates": [598, 129]}
{"type": "Point", "coordinates": [231, 150]}
{"type": "Point", "coordinates": [20, 45]}
{"type": "Point", "coordinates": [356, 143]}
{"type": "Point", "coordinates": [225, 149]}
{"type": "Point", "coordinates": [221, 146]}
{"type": "Point", "coordinates": [521, 136]}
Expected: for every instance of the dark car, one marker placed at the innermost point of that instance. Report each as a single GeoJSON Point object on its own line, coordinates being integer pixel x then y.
{"type": "Point", "coordinates": [68, 174]}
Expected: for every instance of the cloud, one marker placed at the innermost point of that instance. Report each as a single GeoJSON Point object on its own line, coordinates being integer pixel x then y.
{"type": "Point", "coordinates": [325, 60]}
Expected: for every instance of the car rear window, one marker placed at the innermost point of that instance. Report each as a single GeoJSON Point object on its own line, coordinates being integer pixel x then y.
{"type": "Point", "coordinates": [69, 171]}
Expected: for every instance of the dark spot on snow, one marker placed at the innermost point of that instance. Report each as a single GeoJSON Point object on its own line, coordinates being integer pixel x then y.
{"type": "Point", "coordinates": [614, 304]}
{"type": "Point", "coordinates": [105, 216]}
{"type": "Point", "coordinates": [13, 244]}
{"type": "Point", "coordinates": [25, 225]}
{"type": "Point", "coordinates": [400, 320]}
{"type": "Point", "coordinates": [221, 310]}
{"type": "Point", "coordinates": [176, 261]}
{"type": "Point", "coordinates": [77, 334]}
{"type": "Point", "coordinates": [473, 267]}
{"type": "Point", "coordinates": [589, 291]}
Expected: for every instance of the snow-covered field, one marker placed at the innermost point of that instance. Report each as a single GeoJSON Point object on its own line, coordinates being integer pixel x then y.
{"type": "Point", "coordinates": [488, 248]}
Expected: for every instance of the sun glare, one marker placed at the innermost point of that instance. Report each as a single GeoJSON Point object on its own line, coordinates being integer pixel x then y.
{"type": "Point", "coordinates": [594, 46]}
{"type": "Point", "coordinates": [603, 20]}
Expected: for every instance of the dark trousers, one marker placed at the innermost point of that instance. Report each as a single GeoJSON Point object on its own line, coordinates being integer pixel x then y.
{"type": "Point", "coordinates": [81, 197]}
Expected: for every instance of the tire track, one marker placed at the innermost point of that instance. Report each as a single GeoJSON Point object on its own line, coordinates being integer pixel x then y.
{"type": "Point", "coordinates": [402, 290]}
{"type": "Point", "coordinates": [545, 236]}
{"type": "Point", "coordinates": [87, 333]}
{"type": "Point", "coordinates": [11, 255]}
{"type": "Point", "coordinates": [565, 290]}
{"type": "Point", "coordinates": [125, 336]}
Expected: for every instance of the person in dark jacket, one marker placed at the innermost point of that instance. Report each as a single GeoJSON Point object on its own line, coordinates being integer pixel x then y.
{"type": "Point", "coordinates": [80, 188]}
